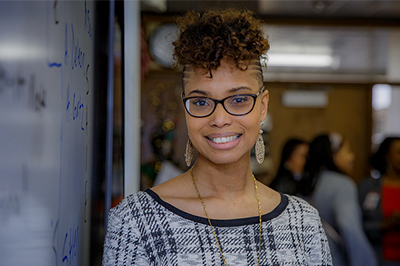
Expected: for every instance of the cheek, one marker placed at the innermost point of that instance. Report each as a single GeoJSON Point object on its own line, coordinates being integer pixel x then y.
{"type": "Point", "coordinates": [253, 127]}
{"type": "Point", "coordinates": [298, 163]}
{"type": "Point", "coordinates": [350, 158]}
{"type": "Point", "coordinates": [192, 125]}
{"type": "Point", "coordinates": [346, 163]}
{"type": "Point", "coordinates": [338, 160]}
{"type": "Point", "coordinates": [347, 160]}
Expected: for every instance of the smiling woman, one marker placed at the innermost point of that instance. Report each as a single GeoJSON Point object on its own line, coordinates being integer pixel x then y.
{"type": "Point", "coordinates": [217, 213]}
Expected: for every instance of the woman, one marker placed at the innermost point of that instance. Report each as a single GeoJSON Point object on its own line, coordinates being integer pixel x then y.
{"type": "Point", "coordinates": [217, 213]}
{"type": "Point", "coordinates": [380, 201]}
{"type": "Point", "coordinates": [290, 171]}
{"type": "Point", "coordinates": [334, 194]}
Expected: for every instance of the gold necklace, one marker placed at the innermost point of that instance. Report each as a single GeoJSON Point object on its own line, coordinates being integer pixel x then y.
{"type": "Point", "coordinates": [212, 228]}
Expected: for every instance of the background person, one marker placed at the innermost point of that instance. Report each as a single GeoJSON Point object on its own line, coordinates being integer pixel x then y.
{"type": "Point", "coordinates": [380, 202]}
{"type": "Point", "coordinates": [290, 171]}
{"type": "Point", "coordinates": [334, 194]}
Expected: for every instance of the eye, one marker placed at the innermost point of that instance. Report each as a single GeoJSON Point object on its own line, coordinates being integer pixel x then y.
{"type": "Point", "coordinates": [239, 99]}
{"type": "Point", "coordinates": [199, 102]}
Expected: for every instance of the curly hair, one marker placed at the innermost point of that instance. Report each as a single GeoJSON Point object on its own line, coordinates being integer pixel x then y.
{"type": "Point", "coordinates": [206, 38]}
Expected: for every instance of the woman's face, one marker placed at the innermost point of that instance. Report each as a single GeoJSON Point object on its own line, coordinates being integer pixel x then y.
{"type": "Point", "coordinates": [223, 138]}
{"type": "Point", "coordinates": [393, 156]}
{"type": "Point", "coordinates": [344, 158]}
{"type": "Point", "coordinates": [298, 159]}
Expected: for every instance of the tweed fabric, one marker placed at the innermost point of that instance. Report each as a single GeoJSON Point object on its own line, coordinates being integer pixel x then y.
{"type": "Point", "coordinates": [145, 230]}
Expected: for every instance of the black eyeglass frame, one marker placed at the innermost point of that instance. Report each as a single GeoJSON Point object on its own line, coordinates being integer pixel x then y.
{"type": "Point", "coordinates": [254, 96]}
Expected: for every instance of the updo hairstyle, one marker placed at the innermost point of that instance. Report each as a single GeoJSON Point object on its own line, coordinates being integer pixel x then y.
{"type": "Point", "coordinates": [207, 37]}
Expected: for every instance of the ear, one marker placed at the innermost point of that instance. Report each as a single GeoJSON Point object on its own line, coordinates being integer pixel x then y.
{"type": "Point", "coordinates": [264, 105]}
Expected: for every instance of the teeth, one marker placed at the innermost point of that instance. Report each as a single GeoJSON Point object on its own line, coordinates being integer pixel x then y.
{"type": "Point", "coordinates": [224, 139]}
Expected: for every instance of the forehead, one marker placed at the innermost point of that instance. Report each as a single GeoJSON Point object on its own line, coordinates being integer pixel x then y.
{"type": "Point", "coordinates": [301, 147]}
{"type": "Point", "coordinates": [227, 73]}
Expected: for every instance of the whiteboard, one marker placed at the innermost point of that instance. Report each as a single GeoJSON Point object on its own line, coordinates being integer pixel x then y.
{"type": "Point", "coordinates": [46, 114]}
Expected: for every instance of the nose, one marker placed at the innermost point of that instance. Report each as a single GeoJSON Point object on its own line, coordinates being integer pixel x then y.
{"type": "Point", "coordinates": [220, 117]}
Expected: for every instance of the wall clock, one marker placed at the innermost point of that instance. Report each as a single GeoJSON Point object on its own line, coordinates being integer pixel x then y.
{"type": "Point", "coordinates": [160, 43]}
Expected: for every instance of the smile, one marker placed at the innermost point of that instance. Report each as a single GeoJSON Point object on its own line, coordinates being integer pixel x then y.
{"type": "Point", "coordinates": [224, 139]}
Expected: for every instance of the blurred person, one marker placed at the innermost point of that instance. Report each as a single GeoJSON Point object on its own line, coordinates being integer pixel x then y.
{"type": "Point", "coordinates": [290, 171]}
{"type": "Point", "coordinates": [380, 202]}
{"type": "Point", "coordinates": [217, 213]}
{"type": "Point", "coordinates": [328, 187]}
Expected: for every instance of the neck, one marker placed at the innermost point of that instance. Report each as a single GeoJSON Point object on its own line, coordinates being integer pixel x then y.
{"type": "Point", "coordinates": [226, 180]}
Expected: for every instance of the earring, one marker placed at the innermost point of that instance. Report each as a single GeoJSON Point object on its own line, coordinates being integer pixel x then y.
{"type": "Point", "coordinates": [189, 153]}
{"type": "Point", "coordinates": [260, 147]}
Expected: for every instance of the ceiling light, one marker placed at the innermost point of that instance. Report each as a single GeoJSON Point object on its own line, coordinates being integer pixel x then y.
{"type": "Point", "coordinates": [305, 98]}
{"type": "Point", "coordinates": [300, 60]}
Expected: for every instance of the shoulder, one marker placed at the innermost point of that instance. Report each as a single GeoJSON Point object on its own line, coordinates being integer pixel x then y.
{"type": "Point", "coordinates": [131, 207]}
{"type": "Point", "coordinates": [304, 219]}
{"type": "Point", "coordinates": [296, 202]}
{"type": "Point", "coordinates": [302, 209]}
{"type": "Point", "coordinates": [335, 179]}
{"type": "Point", "coordinates": [301, 219]}
{"type": "Point", "coordinates": [133, 200]}
{"type": "Point", "coordinates": [124, 227]}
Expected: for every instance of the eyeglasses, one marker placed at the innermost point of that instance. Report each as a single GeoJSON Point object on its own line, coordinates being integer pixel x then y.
{"type": "Point", "coordinates": [240, 104]}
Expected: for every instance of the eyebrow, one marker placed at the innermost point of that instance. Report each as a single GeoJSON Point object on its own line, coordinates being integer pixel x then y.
{"type": "Point", "coordinates": [198, 92]}
{"type": "Point", "coordinates": [239, 88]}
{"type": "Point", "coordinates": [233, 90]}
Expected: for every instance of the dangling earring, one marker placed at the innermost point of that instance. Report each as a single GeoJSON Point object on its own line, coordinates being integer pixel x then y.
{"type": "Point", "coordinates": [260, 147]}
{"type": "Point", "coordinates": [189, 153]}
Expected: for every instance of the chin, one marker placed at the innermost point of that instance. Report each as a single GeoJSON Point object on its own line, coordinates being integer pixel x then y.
{"type": "Point", "coordinates": [226, 160]}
